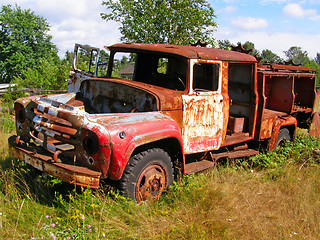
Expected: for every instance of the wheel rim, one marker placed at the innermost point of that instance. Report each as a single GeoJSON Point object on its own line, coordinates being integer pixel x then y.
{"type": "Point", "coordinates": [151, 183]}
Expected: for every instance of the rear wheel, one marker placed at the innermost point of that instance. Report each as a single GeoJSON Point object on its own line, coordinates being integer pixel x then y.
{"type": "Point", "coordinates": [147, 175]}
{"type": "Point", "coordinates": [283, 137]}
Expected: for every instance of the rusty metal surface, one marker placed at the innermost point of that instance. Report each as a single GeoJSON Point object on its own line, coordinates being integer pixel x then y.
{"type": "Point", "coordinates": [198, 166]}
{"type": "Point", "coordinates": [185, 51]}
{"type": "Point", "coordinates": [237, 138]}
{"type": "Point", "coordinates": [151, 183]}
{"type": "Point", "coordinates": [71, 173]}
{"type": "Point", "coordinates": [267, 123]}
{"type": "Point", "coordinates": [112, 97]}
{"type": "Point", "coordinates": [235, 154]}
{"type": "Point", "coordinates": [280, 69]}
{"type": "Point", "coordinates": [202, 121]}
{"type": "Point", "coordinates": [280, 122]}
{"type": "Point", "coordinates": [57, 126]}
{"type": "Point", "coordinates": [283, 90]}
{"type": "Point", "coordinates": [314, 129]}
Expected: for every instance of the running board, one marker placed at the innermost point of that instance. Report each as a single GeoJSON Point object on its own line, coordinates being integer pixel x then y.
{"type": "Point", "coordinates": [194, 167]}
{"type": "Point", "coordinates": [234, 154]}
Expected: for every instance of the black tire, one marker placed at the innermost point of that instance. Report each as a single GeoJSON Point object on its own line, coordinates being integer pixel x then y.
{"type": "Point", "coordinates": [146, 175]}
{"type": "Point", "coordinates": [283, 137]}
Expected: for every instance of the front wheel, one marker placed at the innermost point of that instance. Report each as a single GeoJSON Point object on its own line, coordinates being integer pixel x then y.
{"type": "Point", "coordinates": [147, 175]}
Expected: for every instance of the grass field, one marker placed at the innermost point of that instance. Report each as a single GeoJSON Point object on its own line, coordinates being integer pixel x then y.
{"type": "Point", "coordinates": [270, 196]}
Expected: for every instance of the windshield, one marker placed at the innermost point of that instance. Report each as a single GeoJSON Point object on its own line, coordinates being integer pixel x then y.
{"type": "Point", "coordinates": [154, 69]}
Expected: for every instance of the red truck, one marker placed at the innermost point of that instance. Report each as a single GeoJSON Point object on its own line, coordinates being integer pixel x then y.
{"type": "Point", "coordinates": [172, 108]}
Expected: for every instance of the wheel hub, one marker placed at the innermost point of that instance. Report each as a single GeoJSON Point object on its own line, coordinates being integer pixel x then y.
{"type": "Point", "coordinates": [151, 183]}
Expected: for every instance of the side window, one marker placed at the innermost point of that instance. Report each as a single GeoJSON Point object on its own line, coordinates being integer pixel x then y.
{"type": "Point", "coordinates": [206, 76]}
{"type": "Point", "coordinates": [162, 66]}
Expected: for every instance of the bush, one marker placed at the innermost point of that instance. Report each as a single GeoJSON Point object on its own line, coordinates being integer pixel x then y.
{"type": "Point", "coordinates": [50, 74]}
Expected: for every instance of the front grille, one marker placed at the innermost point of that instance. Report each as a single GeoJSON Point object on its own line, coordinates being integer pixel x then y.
{"type": "Point", "coordinates": [54, 125]}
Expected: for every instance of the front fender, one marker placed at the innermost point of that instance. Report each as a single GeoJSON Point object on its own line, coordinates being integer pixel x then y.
{"type": "Point", "coordinates": [131, 130]}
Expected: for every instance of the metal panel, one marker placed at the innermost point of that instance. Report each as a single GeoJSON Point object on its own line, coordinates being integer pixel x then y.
{"type": "Point", "coordinates": [202, 121]}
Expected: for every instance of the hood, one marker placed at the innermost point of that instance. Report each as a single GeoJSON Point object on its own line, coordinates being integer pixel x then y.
{"type": "Point", "coordinates": [124, 96]}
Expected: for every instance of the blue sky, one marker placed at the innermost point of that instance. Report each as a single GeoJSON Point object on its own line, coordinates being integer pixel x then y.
{"type": "Point", "coordinates": [269, 24]}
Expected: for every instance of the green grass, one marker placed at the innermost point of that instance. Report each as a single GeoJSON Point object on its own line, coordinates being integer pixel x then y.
{"type": "Point", "coordinates": [7, 123]}
{"type": "Point", "coordinates": [269, 196]}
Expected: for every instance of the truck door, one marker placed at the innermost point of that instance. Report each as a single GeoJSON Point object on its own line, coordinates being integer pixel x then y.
{"type": "Point", "coordinates": [84, 65]}
{"type": "Point", "coordinates": [203, 108]}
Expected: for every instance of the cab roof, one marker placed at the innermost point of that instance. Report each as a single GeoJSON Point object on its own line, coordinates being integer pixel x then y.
{"type": "Point", "coordinates": [190, 52]}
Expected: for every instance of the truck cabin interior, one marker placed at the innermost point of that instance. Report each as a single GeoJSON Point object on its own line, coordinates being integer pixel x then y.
{"type": "Point", "coordinates": [99, 96]}
{"type": "Point", "coordinates": [241, 92]}
{"type": "Point", "coordinates": [159, 70]}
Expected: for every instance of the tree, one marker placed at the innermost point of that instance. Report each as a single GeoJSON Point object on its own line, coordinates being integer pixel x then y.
{"type": "Point", "coordinates": [270, 57]}
{"type": "Point", "coordinates": [314, 65]}
{"type": "Point", "coordinates": [224, 44]}
{"type": "Point", "coordinates": [317, 59]}
{"type": "Point", "coordinates": [250, 46]}
{"type": "Point", "coordinates": [162, 21]}
{"type": "Point", "coordinates": [50, 74]}
{"type": "Point", "coordinates": [23, 41]}
{"type": "Point", "coordinates": [297, 55]}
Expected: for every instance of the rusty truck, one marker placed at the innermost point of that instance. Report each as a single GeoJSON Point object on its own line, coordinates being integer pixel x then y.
{"type": "Point", "coordinates": [174, 109]}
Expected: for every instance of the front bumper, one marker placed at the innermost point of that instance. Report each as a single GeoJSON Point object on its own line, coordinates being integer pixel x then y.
{"type": "Point", "coordinates": [42, 160]}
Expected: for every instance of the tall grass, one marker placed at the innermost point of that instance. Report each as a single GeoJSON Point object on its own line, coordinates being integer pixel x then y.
{"type": "Point", "coordinates": [269, 196]}
{"type": "Point", "coordinates": [7, 123]}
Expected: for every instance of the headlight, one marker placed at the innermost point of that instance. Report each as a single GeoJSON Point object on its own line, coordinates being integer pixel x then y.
{"type": "Point", "coordinates": [20, 113]}
{"type": "Point", "coordinates": [91, 143]}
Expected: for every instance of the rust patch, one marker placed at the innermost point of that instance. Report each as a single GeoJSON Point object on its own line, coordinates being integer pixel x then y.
{"type": "Point", "coordinates": [314, 129]}
{"type": "Point", "coordinates": [71, 173]}
{"type": "Point", "coordinates": [202, 121]}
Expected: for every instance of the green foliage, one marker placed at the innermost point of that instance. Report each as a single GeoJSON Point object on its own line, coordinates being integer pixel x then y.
{"type": "Point", "coordinates": [270, 57]}
{"type": "Point", "coordinates": [50, 74]}
{"type": "Point", "coordinates": [312, 64]}
{"type": "Point", "coordinates": [23, 41]}
{"type": "Point", "coordinates": [317, 59]}
{"type": "Point", "coordinates": [270, 196]}
{"type": "Point", "coordinates": [297, 55]}
{"type": "Point", "coordinates": [224, 44]}
{"type": "Point", "coordinates": [305, 150]}
{"type": "Point", "coordinates": [162, 21]}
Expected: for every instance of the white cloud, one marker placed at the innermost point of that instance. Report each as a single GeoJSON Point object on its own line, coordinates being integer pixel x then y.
{"type": "Point", "coordinates": [249, 23]}
{"type": "Point", "coordinates": [276, 42]}
{"type": "Point", "coordinates": [229, 9]}
{"type": "Point", "coordinates": [91, 32]}
{"type": "Point", "coordinates": [295, 10]}
{"type": "Point", "coordinates": [73, 21]}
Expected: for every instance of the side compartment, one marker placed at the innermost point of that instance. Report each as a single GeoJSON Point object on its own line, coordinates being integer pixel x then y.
{"type": "Point", "coordinates": [284, 91]}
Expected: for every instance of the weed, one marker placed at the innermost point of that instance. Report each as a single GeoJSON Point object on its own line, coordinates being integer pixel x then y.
{"type": "Point", "coordinates": [268, 196]}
